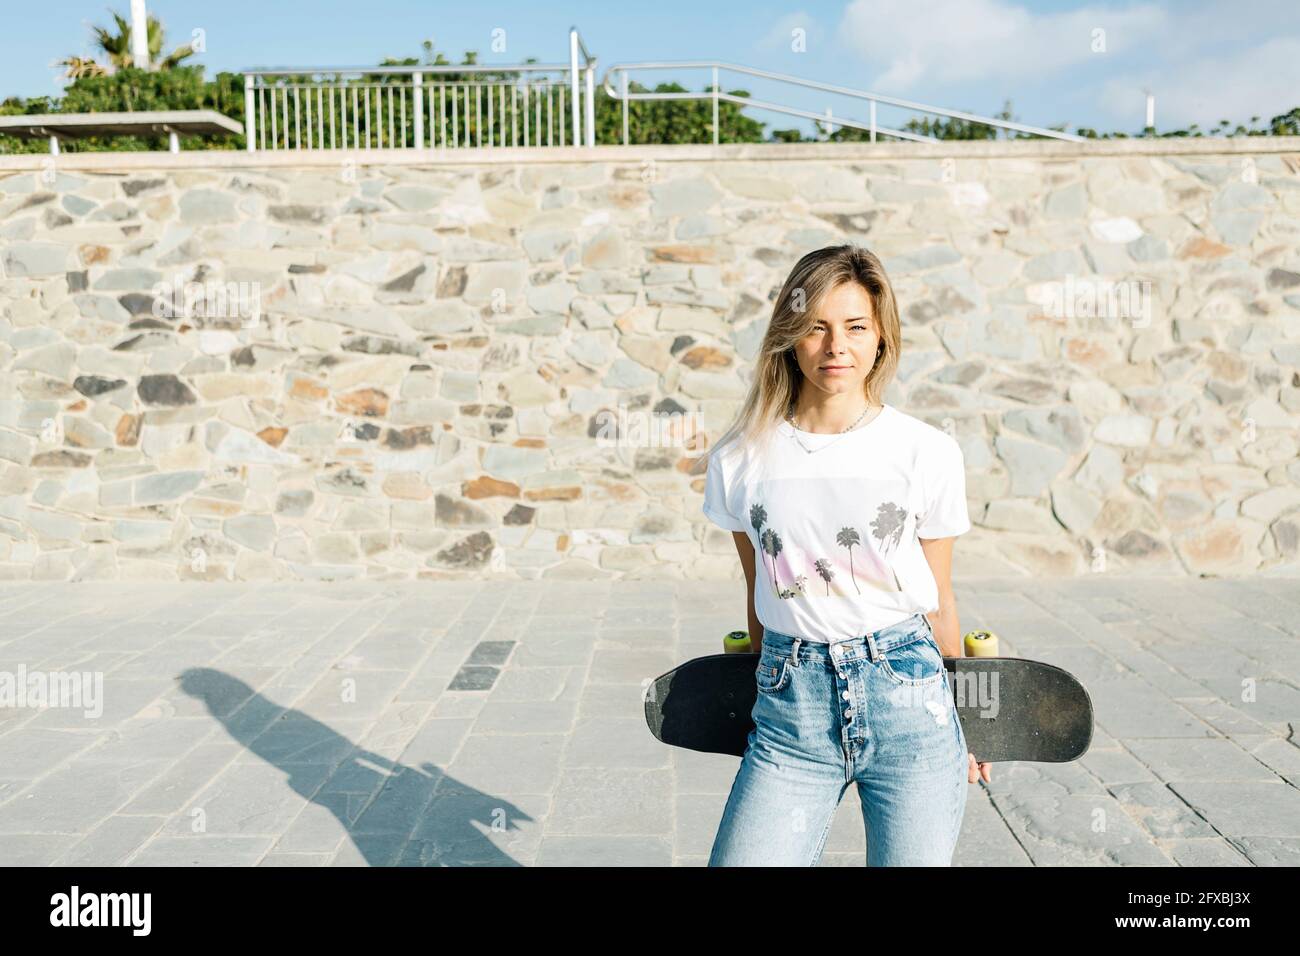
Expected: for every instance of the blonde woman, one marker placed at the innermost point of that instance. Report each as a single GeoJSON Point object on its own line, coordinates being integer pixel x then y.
{"type": "Point", "coordinates": [844, 511]}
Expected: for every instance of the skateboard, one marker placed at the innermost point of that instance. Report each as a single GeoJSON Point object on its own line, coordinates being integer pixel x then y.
{"type": "Point", "coordinates": [1010, 708]}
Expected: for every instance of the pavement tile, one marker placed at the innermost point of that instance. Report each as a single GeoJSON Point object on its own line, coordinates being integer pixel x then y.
{"type": "Point", "coordinates": [318, 725]}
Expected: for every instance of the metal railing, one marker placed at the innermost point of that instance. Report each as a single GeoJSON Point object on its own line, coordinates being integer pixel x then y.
{"type": "Point", "coordinates": [422, 107]}
{"type": "Point", "coordinates": [588, 66]}
{"type": "Point", "coordinates": [529, 104]}
{"type": "Point", "coordinates": [871, 126]}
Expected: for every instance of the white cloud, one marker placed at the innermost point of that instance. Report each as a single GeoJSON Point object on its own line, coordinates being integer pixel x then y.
{"type": "Point", "coordinates": [1261, 81]}
{"type": "Point", "coordinates": [958, 41]}
{"type": "Point", "coordinates": [1203, 61]}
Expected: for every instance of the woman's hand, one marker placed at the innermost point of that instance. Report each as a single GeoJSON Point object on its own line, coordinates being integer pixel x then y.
{"type": "Point", "coordinates": [975, 770]}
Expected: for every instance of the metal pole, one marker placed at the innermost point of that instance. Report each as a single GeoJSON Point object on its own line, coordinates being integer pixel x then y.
{"type": "Point", "coordinates": [417, 85]}
{"type": "Point", "coordinates": [54, 145]}
{"type": "Point", "coordinates": [139, 35]}
{"type": "Point", "coordinates": [715, 106]}
{"type": "Point", "coordinates": [873, 121]}
{"type": "Point", "coordinates": [591, 106]}
{"type": "Point", "coordinates": [573, 84]}
{"type": "Point", "coordinates": [624, 76]}
{"type": "Point", "coordinates": [173, 142]}
{"type": "Point", "coordinates": [250, 114]}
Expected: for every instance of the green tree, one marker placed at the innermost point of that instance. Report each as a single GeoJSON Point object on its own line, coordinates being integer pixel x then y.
{"type": "Point", "coordinates": [132, 90]}
{"type": "Point", "coordinates": [115, 44]}
{"type": "Point", "coordinates": [672, 121]}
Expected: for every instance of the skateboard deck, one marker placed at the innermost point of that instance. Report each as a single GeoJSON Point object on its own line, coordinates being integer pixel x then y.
{"type": "Point", "coordinates": [1010, 708]}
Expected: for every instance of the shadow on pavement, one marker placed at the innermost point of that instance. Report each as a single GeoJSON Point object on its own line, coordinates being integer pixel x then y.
{"type": "Point", "coordinates": [394, 814]}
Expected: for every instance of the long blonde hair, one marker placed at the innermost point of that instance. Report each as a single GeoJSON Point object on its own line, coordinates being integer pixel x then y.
{"type": "Point", "coordinates": [777, 378]}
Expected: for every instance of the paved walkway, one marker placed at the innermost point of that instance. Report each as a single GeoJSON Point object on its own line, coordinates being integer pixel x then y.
{"type": "Point", "coordinates": [501, 723]}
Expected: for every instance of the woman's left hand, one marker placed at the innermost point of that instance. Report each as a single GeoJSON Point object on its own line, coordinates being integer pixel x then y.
{"type": "Point", "coordinates": [975, 770]}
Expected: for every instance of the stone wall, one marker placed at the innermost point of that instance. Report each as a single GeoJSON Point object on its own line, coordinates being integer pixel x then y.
{"type": "Point", "coordinates": [408, 373]}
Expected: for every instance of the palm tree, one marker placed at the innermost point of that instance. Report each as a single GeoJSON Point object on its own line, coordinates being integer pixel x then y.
{"type": "Point", "coordinates": [848, 538]}
{"type": "Point", "coordinates": [771, 542]}
{"type": "Point", "coordinates": [76, 67]}
{"type": "Point", "coordinates": [888, 525]}
{"type": "Point", "coordinates": [116, 47]}
{"type": "Point", "coordinates": [825, 571]}
{"type": "Point", "coordinates": [758, 518]}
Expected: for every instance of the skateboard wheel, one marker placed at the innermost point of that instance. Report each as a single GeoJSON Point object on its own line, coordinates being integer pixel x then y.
{"type": "Point", "coordinates": [980, 644]}
{"type": "Point", "coordinates": [736, 642]}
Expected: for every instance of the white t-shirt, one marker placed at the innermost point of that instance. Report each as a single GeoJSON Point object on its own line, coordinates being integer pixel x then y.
{"type": "Point", "coordinates": [835, 531]}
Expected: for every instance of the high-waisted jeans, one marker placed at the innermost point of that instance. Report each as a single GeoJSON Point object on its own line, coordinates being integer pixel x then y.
{"type": "Point", "coordinates": [877, 710]}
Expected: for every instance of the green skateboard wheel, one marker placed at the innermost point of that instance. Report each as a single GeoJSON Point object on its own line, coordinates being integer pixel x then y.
{"type": "Point", "coordinates": [980, 644]}
{"type": "Point", "coordinates": [737, 642]}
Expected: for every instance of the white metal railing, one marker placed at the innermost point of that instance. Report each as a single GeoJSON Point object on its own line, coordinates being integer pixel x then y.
{"type": "Point", "coordinates": [530, 104]}
{"type": "Point", "coordinates": [588, 66]}
{"type": "Point", "coordinates": [871, 126]}
{"type": "Point", "coordinates": [422, 107]}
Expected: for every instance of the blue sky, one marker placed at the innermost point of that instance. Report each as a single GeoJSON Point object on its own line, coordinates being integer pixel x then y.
{"type": "Point", "coordinates": [1084, 64]}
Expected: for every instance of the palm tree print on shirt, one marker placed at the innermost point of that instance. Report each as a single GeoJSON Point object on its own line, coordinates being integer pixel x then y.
{"type": "Point", "coordinates": [769, 541]}
{"type": "Point", "coordinates": [798, 590]}
{"type": "Point", "coordinates": [888, 526]}
{"type": "Point", "coordinates": [825, 572]}
{"type": "Point", "coordinates": [886, 531]}
{"type": "Point", "coordinates": [848, 538]}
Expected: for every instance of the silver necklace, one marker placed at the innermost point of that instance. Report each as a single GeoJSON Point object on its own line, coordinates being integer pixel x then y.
{"type": "Point", "coordinates": [795, 434]}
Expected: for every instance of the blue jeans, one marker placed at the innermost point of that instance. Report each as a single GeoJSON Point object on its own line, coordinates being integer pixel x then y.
{"type": "Point", "coordinates": [877, 710]}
